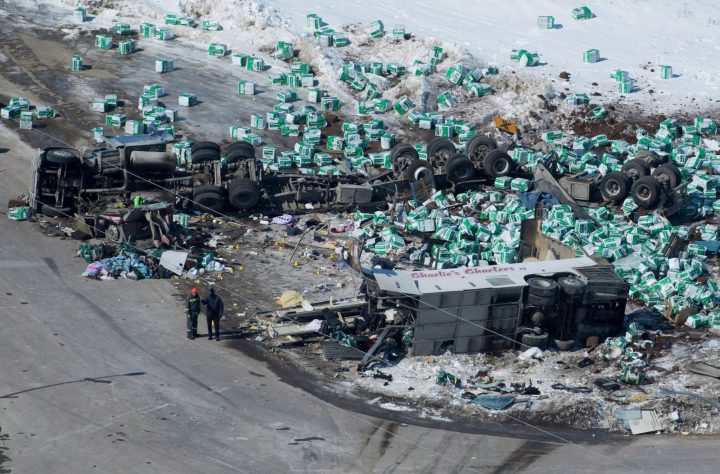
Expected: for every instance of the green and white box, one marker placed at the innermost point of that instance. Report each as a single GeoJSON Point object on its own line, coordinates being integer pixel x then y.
{"type": "Point", "coordinates": [546, 22]}
{"type": "Point", "coordinates": [287, 96]}
{"type": "Point", "coordinates": [283, 51]}
{"type": "Point", "coordinates": [239, 59]}
{"type": "Point", "coordinates": [133, 127]}
{"type": "Point", "coordinates": [116, 120]}
{"type": "Point", "coordinates": [330, 103]}
{"type": "Point", "coordinates": [187, 100]}
{"type": "Point", "coordinates": [208, 25]}
{"type": "Point", "coordinates": [446, 100]}
{"type": "Point", "coordinates": [26, 120]}
{"type": "Point", "coordinates": [10, 112]}
{"type": "Point", "coordinates": [251, 138]}
{"type": "Point", "coordinates": [77, 63]}
{"type": "Point", "coordinates": [171, 115]}
{"type": "Point", "coordinates": [398, 32]}
{"type": "Point", "coordinates": [529, 59]}
{"type": "Point", "coordinates": [146, 100]}
{"type": "Point", "coordinates": [239, 131]}
{"type": "Point", "coordinates": [99, 134]}
{"type": "Point", "coordinates": [313, 21]}
{"type": "Point", "coordinates": [164, 65]}
{"type": "Point", "coordinates": [44, 112]}
{"type": "Point", "coordinates": [123, 29]}
{"type": "Point", "coordinates": [591, 56]}
{"type": "Point", "coordinates": [620, 75]}
{"type": "Point", "coordinates": [79, 14]}
{"type": "Point", "coordinates": [626, 87]}
{"type": "Point", "coordinates": [147, 30]}
{"type": "Point", "coordinates": [258, 122]}
{"type": "Point", "coordinates": [255, 64]}
{"type": "Point", "coordinates": [403, 105]}
{"type": "Point", "coordinates": [103, 41]}
{"type": "Point", "coordinates": [339, 40]}
{"type": "Point", "coordinates": [164, 34]}
{"type": "Point", "coordinates": [376, 29]}
{"type": "Point", "coordinates": [581, 13]}
{"type": "Point", "coordinates": [155, 90]}
{"type": "Point", "coordinates": [706, 126]}
{"type": "Point", "coordinates": [217, 49]}
{"type": "Point", "coordinates": [454, 75]}
{"type": "Point", "coordinates": [246, 88]}
{"type": "Point", "coordinates": [665, 72]}
{"type": "Point", "coordinates": [99, 106]}
{"type": "Point", "coordinates": [444, 130]}
{"type": "Point", "coordinates": [268, 153]}
{"type": "Point", "coordinates": [111, 100]}
{"type": "Point", "coordinates": [126, 47]}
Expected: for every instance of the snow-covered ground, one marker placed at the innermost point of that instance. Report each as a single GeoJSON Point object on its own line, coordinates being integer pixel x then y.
{"type": "Point", "coordinates": [632, 35]}
{"type": "Point", "coordinates": [414, 385]}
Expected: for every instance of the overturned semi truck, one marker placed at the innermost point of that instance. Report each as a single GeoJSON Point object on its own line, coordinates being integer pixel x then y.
{"type": "Point", "coordinates": [65, 181]}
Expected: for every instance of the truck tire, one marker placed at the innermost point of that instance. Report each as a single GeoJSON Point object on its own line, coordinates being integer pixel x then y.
{"type": "Point", "coordinates": [479, 146]}
{"type": "Point", "coordinates": [239, 154]}
{"type": "Point", "coordinates": [238, 146]}
{"type": "Point", "coordinates": [497, 164]}
{"type": "Point", "coordinates": [636, 168]}
{"type": "Point", "coordinates": [208, 202]}
{"type": "Point", "coordinates": [667, 174]}
{"type": "Point", "coordinates": [615, 186]}
{"type": "Point", "coordinates": [403, 151]}
{"type": "Point", "coordinates": [645, 191]}
{"type": "Point", "coordinates": [62, 156]}
{"type": "Point", "coordinates": [204, 155]}
{"type": "Point", "coordinates": [439, 151]}
{"type": "Point", "coordinates": [244, 194]}
{"type": "Point", "coordinates": [205, 146]}
{"type": "Point", "coordinates": [652, 159]}
{"type": "Point", "coordinates": [571, 286]}
{"type": "Point", "coordinates": [401, 156]}
{"type": "Point", "coordinates": [540, 286]}
{"type": "Point", "coordinates": [459, 168]}
{"type": "Point", "coordinates": [416, 169]}
{"type": "Point", "coordinates": [208, 188]}
{"type": "Point", "coordinates": [535, 340]}
{"type": "Point", "coordinates": [535, 300]}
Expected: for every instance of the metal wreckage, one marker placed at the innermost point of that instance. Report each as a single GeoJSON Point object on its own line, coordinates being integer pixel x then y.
{"type": "Point", "coordinates": [553, 296]}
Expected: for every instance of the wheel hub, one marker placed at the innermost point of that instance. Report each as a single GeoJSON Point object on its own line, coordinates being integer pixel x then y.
{"type": "Point", "coordinates": [500, 166]}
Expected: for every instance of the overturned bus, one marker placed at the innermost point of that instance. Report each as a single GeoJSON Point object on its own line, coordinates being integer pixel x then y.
{"type": "Point", "coordinates": [535, 303]}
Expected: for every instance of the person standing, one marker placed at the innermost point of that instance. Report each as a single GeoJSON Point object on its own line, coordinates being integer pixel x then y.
{"type": "Point", "coordinates": [192, 311]}
{"type": "Point", "coordinates": [213, 312]}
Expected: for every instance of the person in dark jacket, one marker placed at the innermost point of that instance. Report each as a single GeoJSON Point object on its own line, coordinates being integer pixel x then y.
{"type": "Point", "coordinates": [213, 311]}
{"type": "Point", "coordinates": [192, 311]}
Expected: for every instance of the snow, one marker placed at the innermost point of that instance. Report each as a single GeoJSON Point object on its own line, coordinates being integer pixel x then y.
{"type": "Point", "coordinates": [633, 35]}
{"type": "Point", "coordinates": [414, 382]}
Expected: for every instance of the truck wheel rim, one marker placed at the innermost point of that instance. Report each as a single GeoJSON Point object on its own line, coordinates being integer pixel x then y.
{"type": "Point", "coordinates": [500, 166]}
{"type": "Point", "coordinates": [613, 188]}
{"type": "Point", "coordinates": [480, 151]}
{"type": "Point", "coordinates": [643, 191]}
